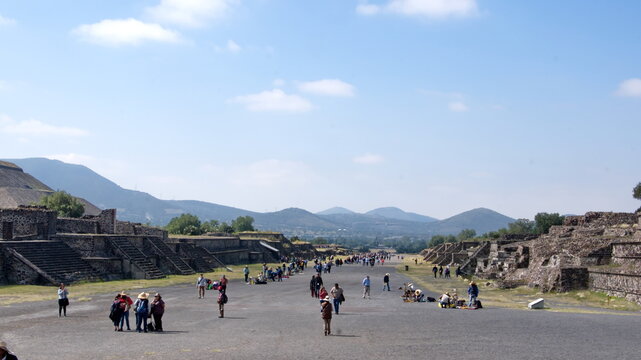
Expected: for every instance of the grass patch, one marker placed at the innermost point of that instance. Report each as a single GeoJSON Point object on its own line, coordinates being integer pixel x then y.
{"type": "Point", "coordinates": [516, 298]}
{"type": "Point", "coordinates": [12, 294]}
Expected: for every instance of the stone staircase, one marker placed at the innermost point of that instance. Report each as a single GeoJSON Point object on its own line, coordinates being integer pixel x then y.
{"type": "Point", "coordinates": [53, 260]}
{"type": "Point", "coordinates": [469, 266]}
{"type": "Point", "coordinates": [203, 260]}
{"type": "Point", "coordinates": [130, 252]}
{"type": "Point", "coordinates": [181, 267]}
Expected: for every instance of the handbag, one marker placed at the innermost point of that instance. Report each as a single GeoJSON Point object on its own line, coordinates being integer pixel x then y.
{"type": "Point", "coordinates": [341, 298]}
{"type": "Point", "coordinates": [65, 302]}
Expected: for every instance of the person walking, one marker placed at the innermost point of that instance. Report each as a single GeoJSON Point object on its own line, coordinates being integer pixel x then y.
{"type": "Point", "coordinates": [386, 282]}
{"type": "Point", "coordinates": [318, 285]}
{"type": "Point", "coordinates": [63, 300]}
{"type": "Point", "coordinates": [366, 284]}
{"type": "Point", "coordinates": [246, 273]}
{"type": "Point", "coordinates": [440, 271]}
{"type": "Point", "coordinates": [124, 297]}
{"type": "Point", "coordinates": [435, 271]}
{"type": "Point", "coordinates": [473, 292]}
{"type": "Point", "coordinates": [223, 283]}
{"type": "Point", "coordinates": [141, 308]}
{"type": "Point", "coordinates": [222, 300]}
{"type": "Point", "coordinates": [447, 272]}
{"type": "Point", "coordinates": [201, 284]}
{"type": "Point", "coordinates": [157, 311]}
{"type": "Point", "coordinates": [4, 352]}
{"type": "Point", "coordinates": [337, 295]}
{"type": "Point", "coordinates": [323, 292]}
{"type": "Point", "coordinates": [458, 271]}
{"type": "Point", "coordinates": [326, 315]}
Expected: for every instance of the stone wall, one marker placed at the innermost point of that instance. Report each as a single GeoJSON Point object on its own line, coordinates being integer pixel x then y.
{"type": "Point", "coordinates": [17, 272]}
{"type": "Point", "coordinates": [617, 284]}
{"type": "Point", "coordinates": [27, 221]}
{"type": "Point", "coordinates": [595, 219]}
{"type": "Point", "coordinates": [76, 226]}
{"type": "Point", "coordinates": [110, 268]}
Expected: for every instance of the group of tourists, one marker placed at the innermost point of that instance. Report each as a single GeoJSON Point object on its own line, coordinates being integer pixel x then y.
{"type": "Point", "coordinates": [203, 283]}
{"type": "Point", "coordinates": [439, 272]}
{"type": "Point", "coordinates": [452, 300]}
{"type": "Point", "coordinates": [143, 310]}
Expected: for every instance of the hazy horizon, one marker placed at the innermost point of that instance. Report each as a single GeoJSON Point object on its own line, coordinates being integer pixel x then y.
{"type": "Point", "coordinates": [434, 107]}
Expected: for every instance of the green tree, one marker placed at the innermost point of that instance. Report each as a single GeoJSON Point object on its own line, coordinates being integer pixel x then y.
{"type": "Point", "coordinates": [64, 204]}
{"type": "Point", "coordinates": [209, 226]}
{"type": "Point", "coordinates": [466, 234]}
{"type": "Point", "coordinates": [185, 224]}
{"type": "Point", "coordinates": [636, 192]}
{"type": "Point", "coordinates": [544, 221]}
{"type": "Point", "coordinates": [243, 223]}
{"type": "Point", "coordinates": [521, 226]}
{"type": "Point", "coordinates": [225, 228]}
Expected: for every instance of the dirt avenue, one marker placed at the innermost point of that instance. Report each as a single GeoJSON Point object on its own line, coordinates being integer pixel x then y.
{"type": "Point", "coordinates": [281, 320]}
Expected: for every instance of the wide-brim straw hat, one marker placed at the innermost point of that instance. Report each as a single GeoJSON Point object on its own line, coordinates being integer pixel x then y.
{"type": "Point", "coordinates": [3, 346]}
{"type": "Point", "coordinates": [143, 295]}
{"type": "Point", "coordinates": [326, 298]}
{"type": "Point", "coordinates": [473, 283]}
{"type": "Point", "coordinates": [387, 274]}
{"type": "Point", "coordinates": [418, 292]}
{"type": "Point", "coordinates": [123, 293]}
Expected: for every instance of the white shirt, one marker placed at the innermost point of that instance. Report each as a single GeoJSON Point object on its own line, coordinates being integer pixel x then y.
{"type": "Point", "coordinates": [201, 281]}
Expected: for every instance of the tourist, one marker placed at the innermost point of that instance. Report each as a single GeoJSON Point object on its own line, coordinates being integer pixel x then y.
{"type": "Point", "coordinates": [444, 300]}
{"type": "Point", "coordinates": [337, 295]}
{"type": "Point", "coordinates": [246, 273]}
{"type": "Point", "coordinates": [4, 352]}
{"type": "Point", "coordinates": [366, 284]}
{"type": "Point", "coordinates": [435, 270]}
{"type": "Point", "coordinates": [141, 308]}
{"type": "Point", "coordinates": [473, 292]}
{"type": "Point", "coordinates": [318, 285]}
{"type": "Point", "coordinates": [124, 297]}
{"type": "Point", "coordinates": [223, 283]}
{"type": "Point", "coordinates": [312, 285]}
{"type": "Point", "coordinates": [458, 271]}
{"type": "Point", "coordinates": [440, 271]}
{"type": "Point", "coordinates": [222, 300]}
{"type": "Point", "coordinates": [116, 311]}
{"type": "Point", "coordinates": [447, 272]}
{"type": "Point", "coordinates": [419, 295]}
{"type": "Point", "coordinates": [326, 314]}
{"type": "Point", "coordinates": [201, 284]}
{"type": "Point", "coordinates": [322, 293]}
{"type": "Point", "coordinates": [157, 311]}
{"type": "Point", "coordinates": [63, 300]}
{"type": "Point", "coordinates": [386, 282]}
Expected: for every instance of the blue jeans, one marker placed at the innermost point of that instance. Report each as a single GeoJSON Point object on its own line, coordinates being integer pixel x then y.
{"type": "Point", "coordinates": [336, 305]}
{"type": "Point", "coordinates": [472, 300]}
{"type": "Point", "coordinates": [125, 316]}
{"type": "Point", "coordinates": [141, 319]}
{"type": "Point", "coordinates": [386, 285]}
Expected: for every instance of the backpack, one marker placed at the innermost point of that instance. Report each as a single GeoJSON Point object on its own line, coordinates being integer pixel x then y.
{"type": "Point", "coordinates": [222, 299]}
{"type": "Point", "coordinates": [143, 306]}
{"type": "Point", "coordinates": [114, 306]}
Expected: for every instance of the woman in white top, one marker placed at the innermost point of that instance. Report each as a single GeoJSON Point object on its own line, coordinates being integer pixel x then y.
{"type": "Point", "coordinates": [63, 300]}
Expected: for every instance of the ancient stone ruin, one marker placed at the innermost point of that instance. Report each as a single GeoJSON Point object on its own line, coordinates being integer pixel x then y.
{"type": "Point", "coordinates": [38, 247]}
{"type": "Point", "coordinates": [599, 251]}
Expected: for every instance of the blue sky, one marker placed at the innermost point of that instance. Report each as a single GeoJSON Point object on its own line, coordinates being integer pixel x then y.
{"type": "Point", "coordinates": [434, 106]}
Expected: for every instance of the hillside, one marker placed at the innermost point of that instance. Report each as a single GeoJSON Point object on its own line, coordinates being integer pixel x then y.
{"type": "Point", "coordinates": [141, 207]}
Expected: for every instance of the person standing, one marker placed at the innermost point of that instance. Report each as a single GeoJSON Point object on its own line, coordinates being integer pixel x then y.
{"type": "Point", "coordinates": [63, 300]}
{"type": "Point", "coordinates": [223, 283]}
{"type": "Point", "coordinates": [222, 300]}
{"type": "Point", "coordinates": [318, 285]}
{"type": "Point", "coordinates": [246, 273]}
{"type": "Point", "coordinates": [447, 272]}
{"type": "Point", "coordinates": [366, 284]}
{"type": "Point", "coordinates": [435, 271]}
{"type": "Point", "coordinates": [458, 271]}
{"type": "Point", "coordinates": [337, 295]}
{"type": "Point", "coordinates": [326, 315]}
{"type": "Point", "coordinates": [157, 311]}
{"type": "Point", "coordinates": [116, 311]}
{"type": "Point", "coordinates": [201, 284]}
{"type": "Point", "coordinates": [125, 315]}
{"type": "Point", "coordinates": [312, 285]}
{"type": "Point", "coordinates": [4, 352]}
{"type": "Point", "coordinates": [141, 307]}
{"type": "Point", "coordinates": [386, 282]}
{"type": "Point", "coordinates": [440, 271]}
{"type": "Point", "coordinates": [473, 292]}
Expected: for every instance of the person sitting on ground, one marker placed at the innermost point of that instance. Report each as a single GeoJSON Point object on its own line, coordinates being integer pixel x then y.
{"type": "Point", "coordinates": [419, 296]}
{"type": "Point", "coordinates": [260, 279]}
{"type": "Point", "coordinates": [444, 300]}
{"type": "Point", "coordinates": [4, 352]}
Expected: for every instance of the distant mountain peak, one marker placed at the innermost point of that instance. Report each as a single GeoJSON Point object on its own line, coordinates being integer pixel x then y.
{"type": "Point", "coordinates": [337, 210]}
{"type": "Point", "coordinates": [392, 212]}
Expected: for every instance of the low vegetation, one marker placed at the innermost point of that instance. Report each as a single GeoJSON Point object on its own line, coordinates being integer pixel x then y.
{"type": "Point", "coordinates": [188, 224]}
{"type": "Point", "coordinates": [64, 204]}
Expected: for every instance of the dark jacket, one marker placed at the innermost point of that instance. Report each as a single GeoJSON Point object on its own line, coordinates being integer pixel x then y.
{"type": "Point", "coordinates": [312, 283]}
{"type": "Point", "coordinates": [385, 279]}
{"type": "Point", "coordinates": [319, 282]}
{"type": "Point", "coordinates": [326, 310]}
{"type": "Point", "coordinates": [473, 290]}
{"type": "Point", "coordinates": [11, 357]}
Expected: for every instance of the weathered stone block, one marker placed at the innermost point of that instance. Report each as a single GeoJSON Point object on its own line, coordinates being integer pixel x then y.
{"type": "Point", "coordinates": [537, 304]}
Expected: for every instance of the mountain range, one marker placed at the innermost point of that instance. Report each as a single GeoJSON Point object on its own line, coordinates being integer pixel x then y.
{"type": "Point", "coordinates": [137, 206]}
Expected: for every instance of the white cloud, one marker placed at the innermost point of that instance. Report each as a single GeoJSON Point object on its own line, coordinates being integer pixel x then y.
{"type": "Point", "coordinates": [37, 128]}
{"type": "Point", "coordinates": [5, 21]}
{"type": "Point", "coordinates": [423, 8]}
{"type": "Point", "coordinates": [189, 13]}
{"type": "Point", "coordinates": [457, 106]}
{"type": "Point", "coordinates": [630, 88]}
{"type": "Point", "coordinates": [329, 87]}
{"type": "Point", "coordinates": [274, 100]}
{"type": "Point", "coordinates": [368, 159]}
{"type": "Point", "coordinates": [368, 9]}
{"type": "Point", "coordinates": [231, 47]}
{"type": "Point", "coordinates": [114, 32]}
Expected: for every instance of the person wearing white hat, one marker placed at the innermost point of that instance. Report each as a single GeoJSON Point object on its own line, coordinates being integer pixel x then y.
{"type": "Point", "coordinates": [326, 314]}
{"type": "Point", "coordinates": [141, 307]}
{"type": "Point", "coordinates": [386, 282]}
{"type": "Point", "coordinates": [4, 352]}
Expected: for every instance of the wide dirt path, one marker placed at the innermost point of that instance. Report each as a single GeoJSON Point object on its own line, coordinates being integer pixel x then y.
{"type": "Point", "coordinates": [281, 320]}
